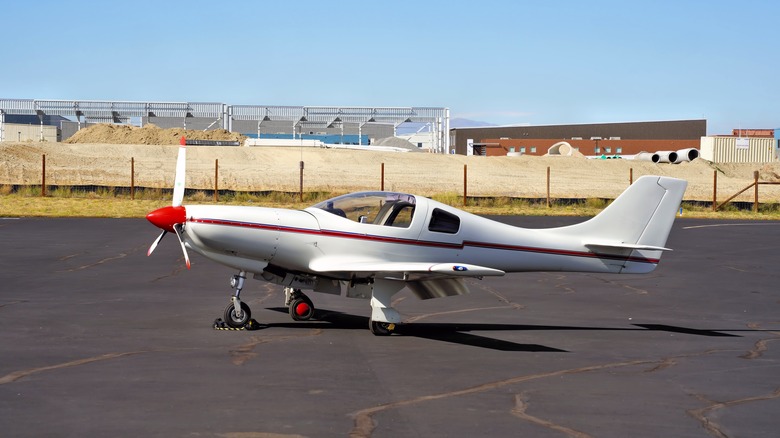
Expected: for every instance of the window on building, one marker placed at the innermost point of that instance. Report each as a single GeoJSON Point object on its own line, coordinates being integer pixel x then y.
{"type": "Point", "coordinates": [511, 149]}
{"type": "Point", "coordinates": [608, 150]}
{"type": "Point", "coordinates": [618, 150]}
{"type": "Point", "coordinates": [522, 149]}
{"type": "Point", "coordinates": [597, 150]}
{"type": "Point", "coordinates": [533, 149]}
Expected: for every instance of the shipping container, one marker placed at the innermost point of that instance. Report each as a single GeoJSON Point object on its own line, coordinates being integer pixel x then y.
{"type": "Point", "coordinates": [739, 150]}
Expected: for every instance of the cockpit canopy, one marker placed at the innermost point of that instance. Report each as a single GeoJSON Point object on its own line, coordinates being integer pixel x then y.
{"type": "Point", "coordinates": [378, 208]}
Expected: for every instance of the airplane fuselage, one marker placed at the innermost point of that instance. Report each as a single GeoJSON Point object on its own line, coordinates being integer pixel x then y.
{"type": "Point", "coordinates": [251, 238]}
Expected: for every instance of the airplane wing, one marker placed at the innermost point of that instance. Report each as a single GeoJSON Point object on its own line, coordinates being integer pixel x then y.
{"type": "Point", "coordinates": [425, 280]}
{"type": "Point", "coordinates": [402, 270]}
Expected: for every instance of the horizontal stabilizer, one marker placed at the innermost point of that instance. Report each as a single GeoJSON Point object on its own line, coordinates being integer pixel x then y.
{"type": "Point", "coordinates": [622, 245]}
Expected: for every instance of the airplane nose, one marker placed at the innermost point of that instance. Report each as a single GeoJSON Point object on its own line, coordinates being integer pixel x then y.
{"type": "Point", "coordinates": [165, 218]}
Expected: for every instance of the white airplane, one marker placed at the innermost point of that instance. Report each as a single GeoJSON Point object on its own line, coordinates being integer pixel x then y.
{"type": "Point", "coordinates": [373, 244]}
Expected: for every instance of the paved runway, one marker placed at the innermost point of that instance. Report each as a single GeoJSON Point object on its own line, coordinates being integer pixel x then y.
{"type": "Point", "coordinates": [100, 340]}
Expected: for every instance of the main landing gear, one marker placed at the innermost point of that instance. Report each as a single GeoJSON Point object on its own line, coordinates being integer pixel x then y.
{"type": "Point", "coordinates": [299, 305]}
{"type": "Point", "coordinates": [381, 328]}
{"type": "Point", "coordinates": [383, 316]}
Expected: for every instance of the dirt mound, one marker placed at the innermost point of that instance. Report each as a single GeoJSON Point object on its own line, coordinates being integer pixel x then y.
{"type": "Point", "coordinates": [148, 134]}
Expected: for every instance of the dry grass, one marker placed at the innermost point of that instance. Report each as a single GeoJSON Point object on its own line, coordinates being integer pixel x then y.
{"type": "Point", "coordinates": [104, 202]}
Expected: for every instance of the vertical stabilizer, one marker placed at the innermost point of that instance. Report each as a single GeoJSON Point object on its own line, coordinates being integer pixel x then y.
{"type": "Point", "coordinates": [639, 219]}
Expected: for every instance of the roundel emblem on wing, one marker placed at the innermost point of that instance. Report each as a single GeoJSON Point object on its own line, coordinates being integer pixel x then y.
{"type": "Point", "coordinates": [460, 268]}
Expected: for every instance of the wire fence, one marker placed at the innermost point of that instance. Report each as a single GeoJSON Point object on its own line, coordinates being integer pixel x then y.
{"type": "Point", "coordinates": [747, 197]}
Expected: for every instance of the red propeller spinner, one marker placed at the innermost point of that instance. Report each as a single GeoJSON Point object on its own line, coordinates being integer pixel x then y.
{"type": "Point", "coordinates": [165, 218]}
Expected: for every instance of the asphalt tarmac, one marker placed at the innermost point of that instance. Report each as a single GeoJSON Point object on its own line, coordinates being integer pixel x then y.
{"type": "Point", "coordinates": [99, 340]}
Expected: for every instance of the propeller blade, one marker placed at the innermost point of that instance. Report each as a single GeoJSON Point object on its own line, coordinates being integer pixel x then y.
{"type": "Point", "coordinates": [154, 244]}
{"type": "Point", "coordinates": [181, 242]}
{"type": "Point", "coordinates": [178, 182]}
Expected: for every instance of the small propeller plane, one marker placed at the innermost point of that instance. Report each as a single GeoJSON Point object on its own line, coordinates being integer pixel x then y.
{"type": "Point", "coordinates": [373, 244]}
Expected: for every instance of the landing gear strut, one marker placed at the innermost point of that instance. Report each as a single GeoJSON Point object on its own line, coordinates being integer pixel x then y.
{"type": "Point", "coordinates": [299, 305]}
{"type": "Point", "coordinates": [383, 317]}
{"type": "Point", "coordinates": [237, 313]}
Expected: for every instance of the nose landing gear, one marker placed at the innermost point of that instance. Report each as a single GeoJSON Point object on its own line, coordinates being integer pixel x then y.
{"type": "Point", "coordinates": [237, 313]}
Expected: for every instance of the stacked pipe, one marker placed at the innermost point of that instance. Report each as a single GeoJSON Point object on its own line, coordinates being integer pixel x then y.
{"type": "Point", "coordinates": [674, 157]}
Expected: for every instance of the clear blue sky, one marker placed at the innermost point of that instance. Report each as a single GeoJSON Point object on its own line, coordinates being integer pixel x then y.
{"type": "Point", "coordinates": [504, 62]}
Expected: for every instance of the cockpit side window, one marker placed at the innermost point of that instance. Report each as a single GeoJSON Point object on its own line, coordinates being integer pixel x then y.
{"type": "Point", "coordinates": [444, 222]}
{"type": "Point", "coordinates": [379, 208]}
{"type": "Point", "coordinates": [401, 216]}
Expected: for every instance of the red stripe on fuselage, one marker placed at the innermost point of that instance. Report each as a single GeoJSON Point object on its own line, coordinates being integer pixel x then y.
{"type": "Point", "coordinates": [427, 243]}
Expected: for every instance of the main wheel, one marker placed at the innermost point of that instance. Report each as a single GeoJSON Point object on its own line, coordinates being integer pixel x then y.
{"type": "Point", "coordinates": [381, 328]}
{"type": "Point", "coordinates": [234, 321]}
{"type": "Point", "coordinates": [301, 308]}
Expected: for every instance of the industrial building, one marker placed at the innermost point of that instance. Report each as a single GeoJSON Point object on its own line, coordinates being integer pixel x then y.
{"type": "Point", "coordinates": [56, 120]}
{"type": "Point", "coordinates": [589, 139]}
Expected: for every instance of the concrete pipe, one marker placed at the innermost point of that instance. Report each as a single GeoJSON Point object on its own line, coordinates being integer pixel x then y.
{"type": "Point", "coordinates": [646, 156]}
{"type": "Point", "coordinates": [688, 154]}
{"type": "Point", "coordinates": [561, 148]}
{"type": "Point", "coordinates": [666, 157]}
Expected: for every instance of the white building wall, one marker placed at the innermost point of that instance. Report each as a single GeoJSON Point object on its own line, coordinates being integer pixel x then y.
{"type": "Point", "coordinates": [17, 132]}
{"type": "Point", "coordinates": [423, 140]}
{"type": "Point", "coordinates": [734, 150]}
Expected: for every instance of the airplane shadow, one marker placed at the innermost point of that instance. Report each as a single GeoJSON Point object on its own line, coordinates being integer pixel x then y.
{"type": "Point", "coordinates": [452, 333]}
{"type": "Point", "coordinates": [458, 333]}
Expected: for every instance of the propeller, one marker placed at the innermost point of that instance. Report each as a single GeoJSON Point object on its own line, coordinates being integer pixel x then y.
{"type": "Point", "coordinates": [172, 218]}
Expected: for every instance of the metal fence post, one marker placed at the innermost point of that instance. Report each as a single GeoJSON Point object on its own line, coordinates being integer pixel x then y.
{"type": "Point", "coordinates": [714, 190]}
{"type": "Point", "coordinates": [548, 187]}
{"type": "Point", "coordinates": [43, 175]}
{"type": "Point", "coordinates": [132, 178]}
{"type": "Point", "coordinates": [301, 190]}
{"type": "Point", "coordinates": [755, 191]}
{"type": "Point", "coordinates": [465, 183]}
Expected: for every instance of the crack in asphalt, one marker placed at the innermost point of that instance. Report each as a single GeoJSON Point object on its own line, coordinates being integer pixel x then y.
{"type": "Point", "coordinates": [364, 424]}
{"type": "Point", "coordinates": [761, 345]}
{"type": "Point", "coordinates": [702, 414]}
{"type": "Point", "coordinates": [450, 312]}
{"type": "Point", "coordinates": [121, 255]}
{"type": "Point", "coordinates": [16, 375]}
{"type": "Point", "coordinates": [99, 262]}
{"type": "Point", "coordinates": [521, 406]}
{"type": "Point", "coordinates": [245, 352]}
{"type": "Point", "coordinates": [257, 435]}
{"type": "Point", "coordinates": [496, 294]}
{"type": "Point", "coordinates": [12, 303]}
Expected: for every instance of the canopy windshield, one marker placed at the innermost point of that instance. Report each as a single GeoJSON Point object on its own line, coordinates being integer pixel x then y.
{"type": "Point", "coordinates": [378, 208]}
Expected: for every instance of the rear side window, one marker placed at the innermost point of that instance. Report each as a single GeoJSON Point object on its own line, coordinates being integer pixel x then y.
{"type": "Point", "coordinates": [443, 222]}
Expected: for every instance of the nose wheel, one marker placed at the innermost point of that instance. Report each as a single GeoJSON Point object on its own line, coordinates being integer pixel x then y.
{"type": "Point", "coordinates": [299, 305]}
{"type": "Point", "coordinates": [235, 318]}
{"type": "Point", "coordinates": [237, 313]}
